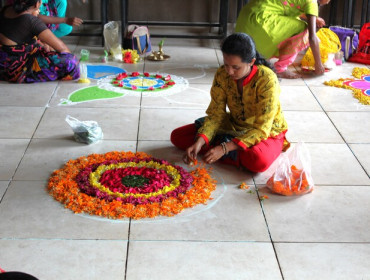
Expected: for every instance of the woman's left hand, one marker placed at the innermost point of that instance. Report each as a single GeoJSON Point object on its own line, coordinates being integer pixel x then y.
{"type": "Point", "coordinates": [213, 154]}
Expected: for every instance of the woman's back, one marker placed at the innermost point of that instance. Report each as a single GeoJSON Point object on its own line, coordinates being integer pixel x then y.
{"type": "Point", "coordinates": [18, 29]}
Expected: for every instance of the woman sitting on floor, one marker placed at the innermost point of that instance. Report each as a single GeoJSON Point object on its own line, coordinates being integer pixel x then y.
{"type": "Point", "coordinates": [252, 134]}
{"type": "Point", "coordinates": [23, 58]}
{"type": "Point", "coordinates": [283, 28]}
{"type": "Point", "coordinates": [53, 14]}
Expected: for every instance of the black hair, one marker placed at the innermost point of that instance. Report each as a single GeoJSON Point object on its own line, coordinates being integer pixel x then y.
{"type": "Point", "coordinates": [242, 45]}
{"type": "Point", "coordinates": [23, 5]}
{"type": "Point", "coordinates": [15, 275]}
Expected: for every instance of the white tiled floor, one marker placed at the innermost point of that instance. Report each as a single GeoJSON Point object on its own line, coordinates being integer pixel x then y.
{"type": "Point", "coordinates": [322, 235]}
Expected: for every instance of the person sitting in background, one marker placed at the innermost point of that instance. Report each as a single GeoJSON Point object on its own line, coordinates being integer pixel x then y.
{"type": "Point", "coordinates": [283, 28]}
{"type": "Point", "coordinates": [53, 14]}
{"type": "Point", "coordinates": [23, 59]}
{"type": "Point", "coordinates": [245, 125]}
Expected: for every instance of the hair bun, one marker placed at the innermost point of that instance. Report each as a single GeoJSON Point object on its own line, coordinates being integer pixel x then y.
{"type": "Point", "coordinates": [22, 5]}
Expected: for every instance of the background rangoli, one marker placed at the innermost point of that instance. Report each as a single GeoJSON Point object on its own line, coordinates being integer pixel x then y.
{"type": "Point", "coordinates": [360, 85]}
{"type": "Point", "coordinates": [135, 83]}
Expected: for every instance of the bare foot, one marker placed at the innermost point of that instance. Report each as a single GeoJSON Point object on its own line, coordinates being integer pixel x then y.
{"type": "Point", "coordinates": [289, 75]}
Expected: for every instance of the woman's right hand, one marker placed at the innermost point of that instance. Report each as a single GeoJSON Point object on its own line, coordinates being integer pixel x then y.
{"type": "Point", "coordinates": [192, 152]}
{"type": "Point", "coordinates": [74, 21]}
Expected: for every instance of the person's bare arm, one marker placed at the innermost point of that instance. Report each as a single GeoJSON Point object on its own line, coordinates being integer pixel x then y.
{"type": "Point", "coordinates": [73, 21]}
{"type": "Point", "coordinates": [320, 22]}
{"type": "Point", "coordinates": [6, 41]}
{"type": "Point", "coordinates": [315, 44]}
{"type": "Point", "coordinates": [47, 37]}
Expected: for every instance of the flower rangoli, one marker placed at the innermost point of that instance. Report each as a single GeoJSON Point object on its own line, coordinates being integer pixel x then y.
{"type": "Point", "coordinates": [129, 185]}
{"type": "Point", "coordinates": [360, 86]}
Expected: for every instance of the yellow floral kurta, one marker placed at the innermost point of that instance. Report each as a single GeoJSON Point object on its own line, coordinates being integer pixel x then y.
{"type": "Point", "coordinates": [252, 117]}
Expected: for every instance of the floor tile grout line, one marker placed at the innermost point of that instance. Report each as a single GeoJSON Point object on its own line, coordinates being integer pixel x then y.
{"type": "Point", "coordinates": [362, 166]}
{"type": "Point", "coordinates": [136, 149]}
{"type": "Point", "coordinates": [268, 229]}
{"type": "Point", "coordinates": [60, 239]}
{"type": "Point", "coordinates": [127, 249]}
{"type": "Point", "coordinates": [184, 241]}
{"type": "Point", "coordinates": [25, 150]}
{"type": "Point", "coordinates": [332, 122]}
{"type": "Point", "coordinates": [53, 94]}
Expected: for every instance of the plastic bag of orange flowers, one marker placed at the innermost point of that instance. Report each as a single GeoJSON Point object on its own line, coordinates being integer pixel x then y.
{"type": "Point", "coordinates": [293, 174]}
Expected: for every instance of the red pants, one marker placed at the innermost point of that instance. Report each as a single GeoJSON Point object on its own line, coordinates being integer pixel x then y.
{"type": "Point", "coordinates": [256, 158]}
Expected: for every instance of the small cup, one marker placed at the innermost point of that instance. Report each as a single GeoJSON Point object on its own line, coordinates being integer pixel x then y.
{"type": "Point", "coordinates": [338, 58]}
{"type": "Point", "coordinates": [85, 54]}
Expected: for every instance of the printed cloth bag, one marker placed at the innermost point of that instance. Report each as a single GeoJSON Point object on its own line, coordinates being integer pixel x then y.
{"type": "Point", "coordinates": [137, 38]}
{"type": "Point", "coordinates": [362, 54]}
{"type": "Point", "coordinates": [329, 44]}
{"type": "Point", "coordinates": [348, 39]}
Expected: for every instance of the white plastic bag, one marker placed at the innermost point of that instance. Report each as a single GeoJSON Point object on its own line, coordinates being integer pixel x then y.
{"type": "Point", "coordinates": [293, 174]}
{"type": "Point", "coordinates": [85, 131]}
{"type": "Point", "coordinates": [112, 39]}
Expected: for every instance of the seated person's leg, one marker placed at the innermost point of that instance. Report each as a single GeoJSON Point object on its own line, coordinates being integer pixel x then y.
{"type": "Point", "coordinates": [291, 46]}
{"type": "Point", "coordinates": [260, 156]}
{"type": "Point", "coordinates": [70, 69]}
{"type": "Point", "coordinates": [184, 136]}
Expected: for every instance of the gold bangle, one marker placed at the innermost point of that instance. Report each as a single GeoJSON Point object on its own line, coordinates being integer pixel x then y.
{"type": "Point", "coordinates": [224, 147]}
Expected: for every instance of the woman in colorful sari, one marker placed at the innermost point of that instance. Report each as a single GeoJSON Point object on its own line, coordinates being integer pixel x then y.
{"type": "Point", "coordinates": [245, 125]}
{"type": "Point", "coordinates": [23, 59]}
{"type": "Point", "coordinates": [283, 28]}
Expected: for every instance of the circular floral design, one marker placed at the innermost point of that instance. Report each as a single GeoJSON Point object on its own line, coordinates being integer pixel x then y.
{"type": "Point", "coordinates": [132, 185]}
{"type": "Point", "coordinates": [150, 84]}
{"type": "Point", "coordinates": [143, 82]}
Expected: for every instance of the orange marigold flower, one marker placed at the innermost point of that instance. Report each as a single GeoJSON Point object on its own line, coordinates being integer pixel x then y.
{"type": "Point", "coordinates": [244, 186]}
{"type": "Point", "coordinates": [295, 184]}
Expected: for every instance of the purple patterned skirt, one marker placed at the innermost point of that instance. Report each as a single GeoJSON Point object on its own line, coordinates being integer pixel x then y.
{"type": "Point", "coordinates": [30, 63]}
